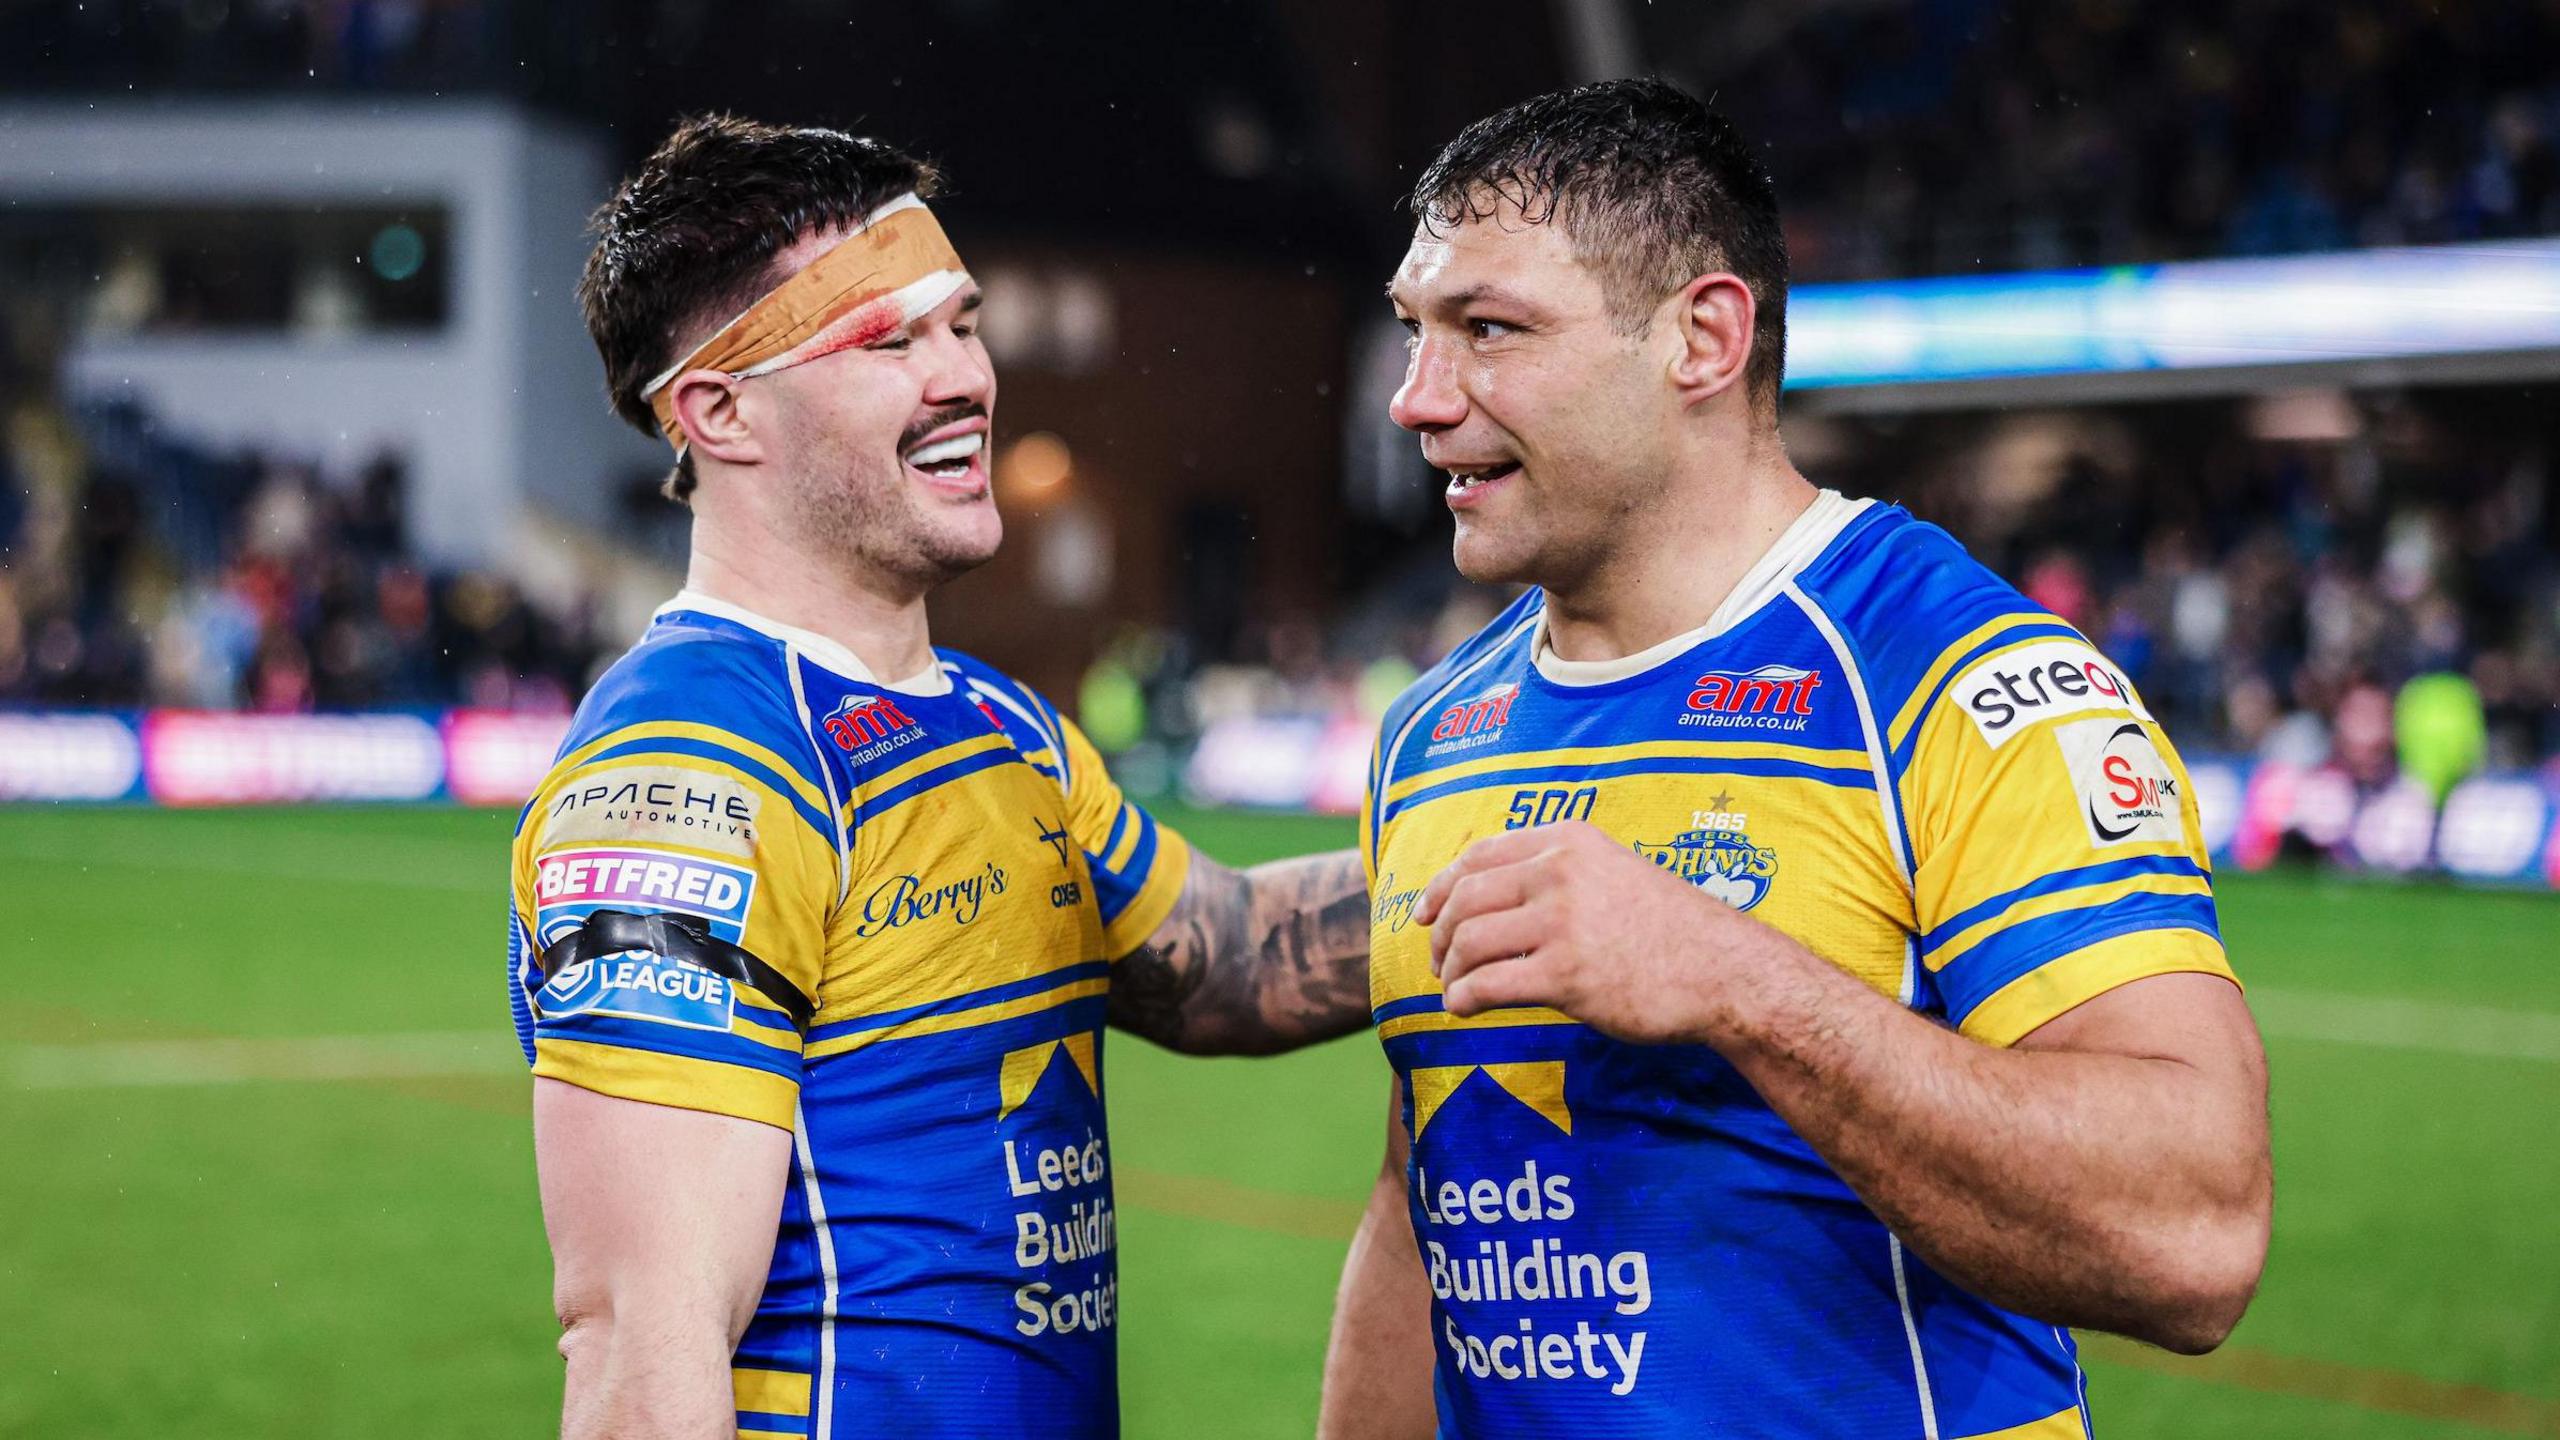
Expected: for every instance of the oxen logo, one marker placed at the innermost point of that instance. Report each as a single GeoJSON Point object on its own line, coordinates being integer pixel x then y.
{"type": "Point", "coordinates": [1722, 862]}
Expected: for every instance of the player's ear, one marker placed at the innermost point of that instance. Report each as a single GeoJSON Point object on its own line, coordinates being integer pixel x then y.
{"type": "Point", "coordinates": [1714, 318]}
{"type": "Point", "coordinates": [707, 406]}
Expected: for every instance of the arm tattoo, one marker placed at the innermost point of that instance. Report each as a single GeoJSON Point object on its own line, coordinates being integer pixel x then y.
{"type": "Point", "coordinates": [1253, 963]}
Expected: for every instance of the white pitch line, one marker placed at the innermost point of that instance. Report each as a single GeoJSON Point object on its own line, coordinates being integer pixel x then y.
{"type": "Point", "coordinates": [412, 1055]}
{"type": "Point", "coordinates": [2395, 1024]}
{"type": "Point", "coordinates": [295, 868]}
{"type": "Point", "coordinates": [2321, 1016]}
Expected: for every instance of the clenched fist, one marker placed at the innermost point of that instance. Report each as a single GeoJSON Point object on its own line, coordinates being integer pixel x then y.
{"type": "Point", "coordinates": [1565, 917]}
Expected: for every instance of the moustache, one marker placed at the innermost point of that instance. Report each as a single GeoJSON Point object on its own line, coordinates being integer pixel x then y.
{"type": "Point", "coordinates": [948, 415]}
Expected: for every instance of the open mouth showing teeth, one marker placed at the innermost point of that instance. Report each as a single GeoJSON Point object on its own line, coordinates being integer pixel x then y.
{"type": "Point", "coordinates": [948, 459]}
{"type": "Point", "coordinates": [1469, 479]}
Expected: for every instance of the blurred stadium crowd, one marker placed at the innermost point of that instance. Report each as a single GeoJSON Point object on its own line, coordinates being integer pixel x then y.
{"type": "Point", "coordinates": [2304, 577]}
{"type": "Point", "coordinates": [1962, 135]}
{"type": "Point", "coordinates": [1914, 137]}
{"type": "Point", "coordinates": [2280, 575]}
{"type": "Point", "coordinates": [138, 570]}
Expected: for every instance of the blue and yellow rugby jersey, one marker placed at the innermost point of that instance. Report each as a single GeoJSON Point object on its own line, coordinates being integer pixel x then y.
{"type": "Point", "coordinates": [947, 870]}
{"type": "Point", "coordinates": [1881, 749]}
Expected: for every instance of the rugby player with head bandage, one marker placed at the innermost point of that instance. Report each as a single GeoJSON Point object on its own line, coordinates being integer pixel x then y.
{"type": "Point", "coordinates": [815, 928]}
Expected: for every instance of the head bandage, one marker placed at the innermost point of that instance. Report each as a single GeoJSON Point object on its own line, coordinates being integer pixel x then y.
{"type": "Point", "coordinates": [895, 267]}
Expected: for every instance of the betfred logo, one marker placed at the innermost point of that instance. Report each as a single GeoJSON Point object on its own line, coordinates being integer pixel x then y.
{"type": "Point", "coordinates": [1485, 714]}
{"type": "Point", "coordinates": [1773, 697]}
{"type": "Point", "coordinates": [866, 720]}
{"type": "Point", "coordinates": [644, 880]}
{"type": "Point", "coordinates": [2007, 694]}
{"type": "Point", "coordinates": [2127, 792]}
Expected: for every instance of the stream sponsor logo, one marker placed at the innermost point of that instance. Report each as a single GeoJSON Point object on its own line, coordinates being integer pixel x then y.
{"type": "Point", "coordinates": [2009, 693]}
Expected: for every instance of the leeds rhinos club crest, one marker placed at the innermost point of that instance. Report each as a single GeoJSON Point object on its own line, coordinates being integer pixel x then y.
{"type": "Point", "coordinates": [1722, 862]}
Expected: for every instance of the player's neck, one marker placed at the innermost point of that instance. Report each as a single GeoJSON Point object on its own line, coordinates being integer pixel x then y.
{"type": "Point", "coordinates": [1681, 563]}
{"type": "Point", "coordinates": [883, 625]}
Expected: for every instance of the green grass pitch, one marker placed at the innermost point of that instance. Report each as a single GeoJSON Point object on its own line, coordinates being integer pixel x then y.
{"type": "Point", "coordinates": [212, 1230]}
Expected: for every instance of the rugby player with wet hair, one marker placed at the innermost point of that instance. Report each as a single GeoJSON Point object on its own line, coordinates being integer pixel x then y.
{"type": "Point", "coordinates": [1796, 949]}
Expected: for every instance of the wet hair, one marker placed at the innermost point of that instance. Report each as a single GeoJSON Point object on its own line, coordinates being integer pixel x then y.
{"type": "Point", "coordinates": [1654, 188]}
{"type": "Point", "coordinates": [690, 240]}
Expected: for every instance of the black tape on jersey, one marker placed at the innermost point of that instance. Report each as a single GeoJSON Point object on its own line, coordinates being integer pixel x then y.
{"type": "Point", "coordinates": [676, 937]}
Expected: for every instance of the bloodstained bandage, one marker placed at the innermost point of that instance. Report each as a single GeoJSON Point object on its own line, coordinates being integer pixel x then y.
{"type": "Point", "coordinates": [894, 267]}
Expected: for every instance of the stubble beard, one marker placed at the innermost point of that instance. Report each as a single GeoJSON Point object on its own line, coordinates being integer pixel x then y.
{"type": "Point", "coordinates": [865, 518]}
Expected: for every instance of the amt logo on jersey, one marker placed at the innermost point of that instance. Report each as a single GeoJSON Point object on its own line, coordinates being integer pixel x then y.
{"type": "Point", "coordinates": [865, 726]}
{"type": "Point", "coordinates": [1470, 723]}
{"type": "Point", "coordinates": [1772, 697]}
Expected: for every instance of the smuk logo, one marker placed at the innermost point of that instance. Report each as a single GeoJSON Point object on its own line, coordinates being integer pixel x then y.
{"type": "Point", "coordinates": [2128, 790]}
{"type": "Point", "coordinates": [1769, 690]}
{"type": "Point", "coordinates": [862, 720]}
{"type": "Point", "coordinates": [1486, 714]}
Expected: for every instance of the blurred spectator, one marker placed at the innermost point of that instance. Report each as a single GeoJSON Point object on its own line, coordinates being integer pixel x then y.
{"type": "Point", "coordinates": [209, 581]}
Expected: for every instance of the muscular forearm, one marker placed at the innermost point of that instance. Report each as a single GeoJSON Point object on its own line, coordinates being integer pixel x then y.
{"type": "Point", "coordinates": [2117, 1191]}
{"type": "Point", "coordinates": [1377, 1369]}
{"type": "Point", "coordinates": [645, 1378]}
{"type": "Point", "coordinates": [1253, 962]}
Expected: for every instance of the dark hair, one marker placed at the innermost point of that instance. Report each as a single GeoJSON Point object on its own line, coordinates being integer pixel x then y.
{"type": "Point", "coordinates": [1654, 188]}
{"type": "Point", "coordinates": [691, 239]}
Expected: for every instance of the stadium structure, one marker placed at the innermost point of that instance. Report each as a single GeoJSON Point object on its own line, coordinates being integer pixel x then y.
{"type": "Point", "coordinates": [2229, 332]}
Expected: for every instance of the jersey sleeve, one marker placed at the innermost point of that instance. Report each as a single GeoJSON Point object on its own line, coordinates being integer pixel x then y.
{"type": "Point", "coordinates": [2055, 845]}
{"type": "Point", "coordinates": [1139, 866]}
{"type": "Point", "coordinates": [669, 811]}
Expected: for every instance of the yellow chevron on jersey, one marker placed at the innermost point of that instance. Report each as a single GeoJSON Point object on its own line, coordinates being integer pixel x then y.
{"type": "Point", "coordinates": [945, 871]}
{"type": "Point", "coordinates": [1892, 757]}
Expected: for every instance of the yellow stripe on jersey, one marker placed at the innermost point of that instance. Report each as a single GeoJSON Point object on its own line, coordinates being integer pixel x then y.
{"type": "Point", "coordinates": [782, 1035]}
{"type": "Point", "coordinates": [2086, 897]}
{"type": "Point", "coordinates": [960, 1019]}
{"type": "Point", "coordinates": [1146, 911]}
{"type": "Point", "coordinates": [1909, 715]}
{"type": "Point", "coordinates": [679, 1081]}
{"type": "Point", "coordinates": [2019, 1007]}
{"type": "Point", "coordinates": [888, 780]}
{"type": "Point", "coordinates": [770, 1392]}
{"type": "Point", "coordinates": [1118, 859]}
{"type": "Point", "coordinates": [1635, 750]}
{"type": "Point", "coordinates": [2060, 1425]}
{"type": "Point", "coordinates": [1433, 1020]}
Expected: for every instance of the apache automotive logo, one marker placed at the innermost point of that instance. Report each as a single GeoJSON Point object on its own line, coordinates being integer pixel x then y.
{"type": "Point", "coordinates": [2007, 694]}
{"type": "Point", "coordinates": [905, 900]}
{"type": "Point", "coordinates": [2128, 794]}
{"type": "Point", "coordinates": [869, 726]}
{"type": "Point", "coordinates": [1471, 723]}
{"type": "Point", "coordinates": [1773, 697]}
{"type": "Point", "coordinates": [1720, 860]}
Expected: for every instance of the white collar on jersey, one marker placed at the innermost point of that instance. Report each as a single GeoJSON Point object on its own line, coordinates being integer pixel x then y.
{"type": "Point", "coordinates": [932, 680]}
{"type": "Point", "coordinates": [1799, 546]}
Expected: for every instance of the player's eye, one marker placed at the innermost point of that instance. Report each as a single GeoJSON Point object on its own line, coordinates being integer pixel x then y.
{"type": "Point", "coordinates": [899, 340]}
{"type": "Point", "coordinates": [1488, 329]}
